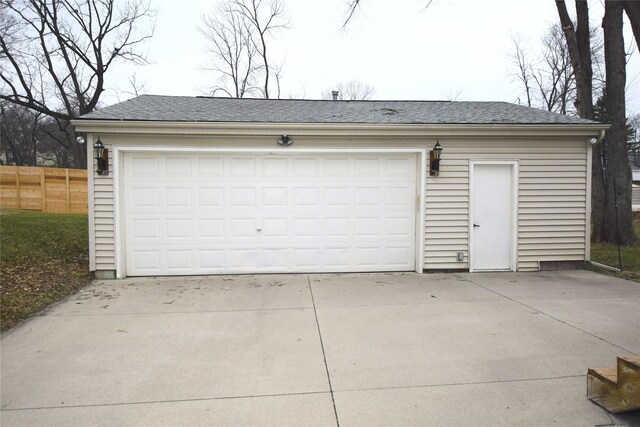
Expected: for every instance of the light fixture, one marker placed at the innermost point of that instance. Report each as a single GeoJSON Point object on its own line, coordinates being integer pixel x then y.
{"type": "Point", "coordinates": [285, 140]}
{"type": "Point", "coordinates": [101, 155]}
{"type": "Point", "coordinates": [434, 159]}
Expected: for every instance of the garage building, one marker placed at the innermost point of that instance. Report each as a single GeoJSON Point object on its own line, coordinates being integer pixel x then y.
{"type": "Point", "coordinates": [199, 185]}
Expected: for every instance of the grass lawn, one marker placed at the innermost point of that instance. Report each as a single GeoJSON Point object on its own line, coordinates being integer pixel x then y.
{"type": "Point", "coordinates": [43, 258]}
{"type": "Point", "coordinates": [608, 254]}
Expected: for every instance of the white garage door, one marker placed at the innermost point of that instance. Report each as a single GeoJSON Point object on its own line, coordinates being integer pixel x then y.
{"type": "Point", "coordinates": [210, 213]}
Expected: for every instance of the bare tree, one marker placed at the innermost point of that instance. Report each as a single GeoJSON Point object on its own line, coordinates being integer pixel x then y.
{"type": "Point", "coordinates": [55, 54]}
{"type": "Point", "coordinates": [352, 7]}
{"type": "Point", "coordinates": [547, 78]}
{"type": "Point", "coordinates": [136, 87]}
{"type": "Point", "coordinates": [238, 33]}
{"type": "Point", "coordinates": [29, 138]}
{"type": "Point", "coordinates": [523, 68]}
{"type": "Point", "coordinates": [265, 20]}
{"type": "Point", "coordinates": [18, 134]}
{"type": "Point", "coordinates": [352, 90]}
{"type": "Point", "coordinates": [234, 56]}
{"type": "Point", "coordinates": [453, 94]}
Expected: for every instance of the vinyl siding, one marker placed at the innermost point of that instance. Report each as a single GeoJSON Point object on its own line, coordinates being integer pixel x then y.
{"type": "Point", "coordinates": [551, 201]}
{"type": "Point", "coordinates": [552, 207]}
{"type": "Point", "coordinates": [551, 193]}
{"type": "Point", "coordinates": [103, 208]}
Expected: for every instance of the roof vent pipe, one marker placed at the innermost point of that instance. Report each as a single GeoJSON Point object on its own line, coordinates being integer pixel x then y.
{"type": "Point", "coordinates": [334, 94]}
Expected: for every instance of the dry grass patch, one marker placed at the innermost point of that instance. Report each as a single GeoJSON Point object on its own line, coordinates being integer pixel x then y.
{"type": "Point", "coordinates": [44, 257]}
{"type": "Point", "coordinates": [607, 254]}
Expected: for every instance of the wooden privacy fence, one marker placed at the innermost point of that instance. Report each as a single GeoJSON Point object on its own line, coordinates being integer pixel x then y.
{"type": "Point", "coordinates": [43, 189]}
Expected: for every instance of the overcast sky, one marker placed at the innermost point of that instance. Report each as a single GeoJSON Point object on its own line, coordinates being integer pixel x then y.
{"type": "Point", "coordinates": [455, 48]}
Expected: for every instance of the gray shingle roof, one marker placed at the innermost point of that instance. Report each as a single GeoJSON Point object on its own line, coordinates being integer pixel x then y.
{"type": "Point", "coordinates": [205, 109]}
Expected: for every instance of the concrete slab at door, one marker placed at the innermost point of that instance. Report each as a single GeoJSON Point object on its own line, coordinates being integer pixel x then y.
{"type": "Point", "coordinates": [492, 203]}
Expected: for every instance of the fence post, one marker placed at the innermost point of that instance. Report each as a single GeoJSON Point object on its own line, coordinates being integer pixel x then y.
{"type": "Point", "coordinates": [43, 191]}
{"type": "Point", "coordinates": [66, 174]}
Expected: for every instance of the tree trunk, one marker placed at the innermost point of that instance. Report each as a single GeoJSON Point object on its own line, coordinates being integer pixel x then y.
{"type": "Point", "coordinates": [579, 45]}
{"type": "Point", "coordinates": [632, 7]}
{"type": "Point", "coordinates": [618, 220]}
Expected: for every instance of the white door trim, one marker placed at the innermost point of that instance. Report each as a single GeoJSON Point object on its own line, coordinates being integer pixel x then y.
{"type": "Point", "coordinates": [118, 189]}
{"type": "Point", "coordinates": [514, 209]}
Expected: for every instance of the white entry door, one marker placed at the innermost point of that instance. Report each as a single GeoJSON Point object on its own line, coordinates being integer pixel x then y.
{"type": "Point", "coordinates": [492, 216]}
{"type": "Point", "coordinates": [207, 213]}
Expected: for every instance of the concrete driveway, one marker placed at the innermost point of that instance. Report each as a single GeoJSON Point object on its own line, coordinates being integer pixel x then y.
{"type": "Point", "coordinates": [358, 349]}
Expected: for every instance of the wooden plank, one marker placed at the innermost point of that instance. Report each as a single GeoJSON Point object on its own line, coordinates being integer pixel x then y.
{"type": "Point", "coordinates": [43, 191]}
{"type": "Point", "coordinates": [68, 193]}
{"type": "Point", "coordinates": [18, 189]}
{"type": "Point", "coordinates": [632, 361]}
{"type": "Point", "coordinates": [615, 390]}
{"type": "Point", "coordinates": [609, 375]}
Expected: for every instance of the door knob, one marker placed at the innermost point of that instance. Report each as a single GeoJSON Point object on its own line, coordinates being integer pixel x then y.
{"type": "Point", "coordinates": [476, 226]}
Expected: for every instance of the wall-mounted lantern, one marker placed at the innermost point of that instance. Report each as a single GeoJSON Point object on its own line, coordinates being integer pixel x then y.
{"type": "Point", "coordinates": [434, 159]}
{"type": "Point", "coordinates": [285, 140]}
{"type": "Point", "coordinates": [101, 155]}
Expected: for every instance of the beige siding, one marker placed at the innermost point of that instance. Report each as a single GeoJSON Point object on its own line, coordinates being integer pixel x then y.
{"type": "Point", "coordinates": [552, 193]}
{"type": "Point", "coordinates": [104, 219]}
{"type": "Point", "coordinates": [447, 211]}
{"type": "Point", "coordinates": [552, 207]}
{"type": "Point", "coordinates": [551, 201]}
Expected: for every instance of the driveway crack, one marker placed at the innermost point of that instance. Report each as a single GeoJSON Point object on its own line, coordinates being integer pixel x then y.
{"type": "Point", "coordinates": [546, 314]}
{"type": "Point", "coordinates": [324, 356]}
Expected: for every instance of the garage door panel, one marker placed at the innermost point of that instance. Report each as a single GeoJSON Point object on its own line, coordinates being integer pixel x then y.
{"type": "Point", "coordinates": [207, 214]}
{"type": "Point", "coordinates": [397, 256]}
{"type": "Point", "coordinates": [398, 168]}
{"type": "Point", "coordinates": [210, 196]}
{"type": "Point", "coordinates": [145, 260]}
{"type": "Point", "coordinates": [179, 259]}
{"type": "Point", "coordinates": [336, 168]}
{"type": "Point", "coordinates": [367, 256]}
{"type": "Point", "coordinates": [337, 196]}
{"type": "Point", "coordinates": [243, 167]}
{"type": "Point", "coordinates": [273, 167]}
{"type": "Point", "coordinates": [143, 197]}
{"type": "Point", "coordinates": [178, 167]}
{"type": "Point", "coordinates": [210, 166]}
{"type": "Point", "coordinates": [210, 228]}
{"type": "Point", "coordinates": [142, 166]}
{"type": "Point", "coordinates": [211, 260]}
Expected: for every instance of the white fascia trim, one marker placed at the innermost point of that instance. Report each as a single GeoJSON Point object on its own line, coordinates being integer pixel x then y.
{"type": "Point", "coordinates": [118, 152]}
{"type": "Point", "coordinates": [423, 157]}
{"type": "Point", "coordinates": [275, 150]}
{"type": "Point", "coordinates": [333, 129]}
{"type": "Point", "coordinates": [117, 213]}
{"type": "Point", "coordinates": [91, 203]}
